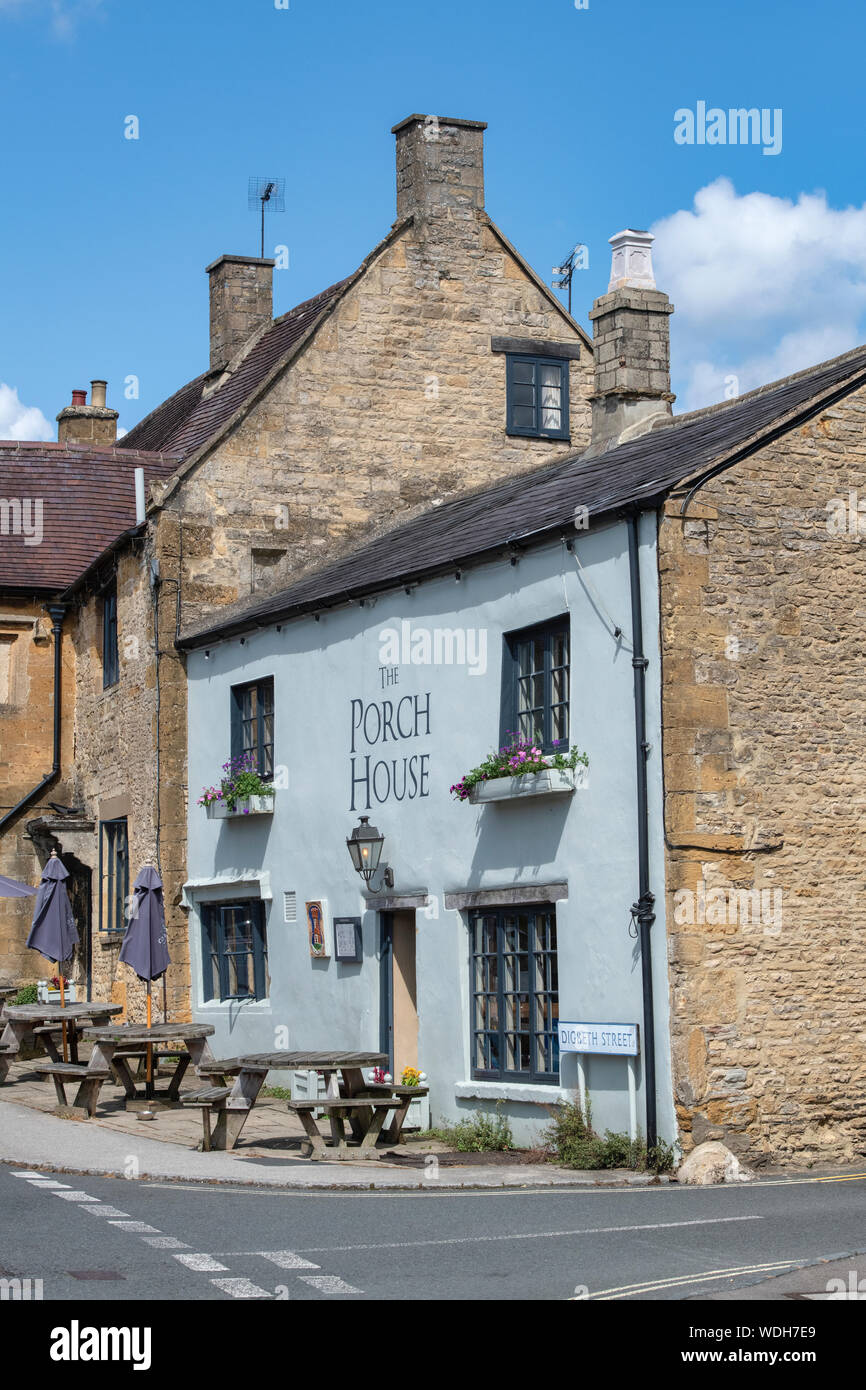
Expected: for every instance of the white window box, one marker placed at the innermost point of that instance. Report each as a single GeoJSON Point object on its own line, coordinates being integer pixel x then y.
{"type": "Point", "coordinates": [555, 782]}
{"type": "Point", "coordinates": [47, 995]}
{"type": "Point", "coordinates": [244, 806]}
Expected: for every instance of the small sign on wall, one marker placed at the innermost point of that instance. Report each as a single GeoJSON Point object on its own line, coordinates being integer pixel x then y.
{"type": "Point", "coordinates": [317, 916]}
{"type": "Point", "coordinates": [347, 939]}
{"type": "Point", "coordinates": [607, 1039]}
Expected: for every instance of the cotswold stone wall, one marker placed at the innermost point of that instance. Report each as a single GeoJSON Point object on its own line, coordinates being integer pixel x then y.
{"type": "Point", "coordinates": [396, 401]}
{"type": "Point", "coordinates": [26, 753]}
{"type": "Point", "coordinates": [764, 651]}
{"type": "Point", "coordinates": [116, 742]}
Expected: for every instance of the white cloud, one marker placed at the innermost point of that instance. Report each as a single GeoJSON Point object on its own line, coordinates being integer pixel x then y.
{"type": "Point", "coordinates": [63, 15]}
{"type": "Point", "coordinates": [762, 286]}
{"type": "Point", "coordinates": [19, 421]}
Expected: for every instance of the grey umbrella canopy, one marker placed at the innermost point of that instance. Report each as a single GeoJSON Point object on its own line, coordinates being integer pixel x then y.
{"type": "Point", "coordinates": [11, 888]}
{"type": "Point", "coordinates": [53, 933]}
{"type": "Point", "coordinates": [144, 945]}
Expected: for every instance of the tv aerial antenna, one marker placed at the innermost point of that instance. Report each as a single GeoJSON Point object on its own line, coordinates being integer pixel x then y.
{"type": "Point", "coordinates": [565, 271]}
{"type": "Point", "coordinates": [266, 192]}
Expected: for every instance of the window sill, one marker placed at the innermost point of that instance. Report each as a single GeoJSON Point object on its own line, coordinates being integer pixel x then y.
{"type": "Point", "coordinates": [528, 1093]}
{"type": "Point", "coordinates": [532, 434]}
{"type": "Point", "coordinates": [219, 1006]}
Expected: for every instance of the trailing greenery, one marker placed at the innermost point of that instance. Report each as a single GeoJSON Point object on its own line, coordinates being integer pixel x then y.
{"type": "Point", "coordinates": [517, 758]}
{"type": "Point", "coordinates": [478, 1134]}
{"type": "Point", "coordinates": [28, 994]}
{"type": "Point", "coordinates": [572, 1141]}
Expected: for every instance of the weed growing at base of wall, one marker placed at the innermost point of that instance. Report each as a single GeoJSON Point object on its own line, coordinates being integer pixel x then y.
{"type": "Point", "coordinates": [572, 1141]}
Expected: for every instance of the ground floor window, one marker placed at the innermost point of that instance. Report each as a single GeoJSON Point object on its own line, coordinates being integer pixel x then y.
{"type": "Point", "coordinates": [515, 995]}
{"type": "Point", "coordinates": [113, 874]}
{"type": "Point", "coordinates": [234, 950]}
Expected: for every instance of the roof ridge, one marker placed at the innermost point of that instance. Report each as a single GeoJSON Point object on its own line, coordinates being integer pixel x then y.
{"type": "Point", "coordinates": [689, 415]}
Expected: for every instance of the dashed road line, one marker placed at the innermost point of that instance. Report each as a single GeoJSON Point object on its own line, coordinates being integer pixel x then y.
{"type": "Point", "coordinates": [241, 1288]}
{"type": "Point", "coordinates": [286, 1259]}
{"type": "Point", "coordinates": [139, 1228]}
{"type": "Point", "coordinates": [165, 1243]}
{"type": "Point", "coordinates": [203, 1264]}
{"type": "Point", "coordinates": [328, 1283]}
{"type": "Point", "coordinates": [102, 1209]}
{"type": "Point", "coordinates": [75, 1197]}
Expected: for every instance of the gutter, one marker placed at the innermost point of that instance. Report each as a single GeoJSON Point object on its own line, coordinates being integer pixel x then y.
{"type": "Point", "coordinates": [642, 911]}
{"type": "Point", "coordinates": [57, 612]}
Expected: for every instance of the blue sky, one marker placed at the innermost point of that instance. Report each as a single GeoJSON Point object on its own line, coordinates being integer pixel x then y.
{"type": "Point", "coordinates": [104, 240]}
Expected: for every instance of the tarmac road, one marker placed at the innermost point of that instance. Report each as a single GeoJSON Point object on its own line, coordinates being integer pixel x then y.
{"type": "Point", "coordinates": [98, 1238]}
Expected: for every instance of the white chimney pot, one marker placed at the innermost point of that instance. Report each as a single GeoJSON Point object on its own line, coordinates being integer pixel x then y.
{"type": "Point", "coordinates": [631, 263]}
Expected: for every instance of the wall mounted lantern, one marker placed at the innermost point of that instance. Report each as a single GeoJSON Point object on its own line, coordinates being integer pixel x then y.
{"type": "Point", "coordinates": [365, 850]}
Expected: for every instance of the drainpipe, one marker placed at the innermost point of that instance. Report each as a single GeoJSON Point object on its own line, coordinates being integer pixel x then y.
{"type": "Point", "coordinates": [642, 910]}
{"type": "Point", "coordinates": [57, 612]}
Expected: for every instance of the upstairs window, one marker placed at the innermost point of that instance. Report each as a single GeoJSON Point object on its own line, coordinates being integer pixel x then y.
{"type": "Point", "coordinates": [536, 685]}
{"type": "Point", "coordinates": [110, 658]}
{"type": "Point", "coordinates": [113, 874]}
{"type": "Point", "coordinates": [253, 725]}
{"type": "Point", "coordinates": [537, 396]}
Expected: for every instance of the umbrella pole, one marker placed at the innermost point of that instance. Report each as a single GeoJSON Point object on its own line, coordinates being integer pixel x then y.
{"type": "Point", "coordinates": [63, 1006]}
{"type": "Point", "coordinates": [149, 1084]}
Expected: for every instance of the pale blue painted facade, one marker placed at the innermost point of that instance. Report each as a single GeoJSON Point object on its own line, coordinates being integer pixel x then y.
{"type": "Point", "coordinates": [587, 840]}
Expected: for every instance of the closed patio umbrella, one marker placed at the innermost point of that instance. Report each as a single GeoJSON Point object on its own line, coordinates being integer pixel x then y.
{"type": "Point", "coordinates": [54, 933]}
{"type": "Point", "coordinates": [11, 888]}
{"type": "Point", "coordinates": [144, 946]}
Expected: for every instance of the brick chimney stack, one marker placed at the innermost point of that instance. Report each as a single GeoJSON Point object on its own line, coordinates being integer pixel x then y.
{"type": "Point", "coordinates": [81, 423]}
{"type": "Point", "coordinates": [631, 331]}
{"type": "Point", "coordinates": [440, 166]}
{"type": "Point", "coordinates": [241, 303]}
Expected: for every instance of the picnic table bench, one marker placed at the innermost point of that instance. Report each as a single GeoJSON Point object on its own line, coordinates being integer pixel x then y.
{"type": "Point", "coordinates": [250, 1074]}
{"type": "Point", "coordinates": [45, 1021]}
{"type": "Point", "coordinates": [116, 1045]}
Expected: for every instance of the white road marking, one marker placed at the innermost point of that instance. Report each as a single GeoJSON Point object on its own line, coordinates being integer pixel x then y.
{"type": "Point", "coordinates": [286, 1259]}
{"type": "Point", "coordinates": [203, 1264]}
{"type": "Point", "coordinates": [678, 1280]}
{"type": "Point", "coordinates": [328, 1283]}
{"type": "Point", "coordinates": [139, 1228]}
{"type": "Point", "coordinates": [241, 1288]}
{"type": "Point", "coordinates": [28, 1175]}
{"type": "Point", "coordinates": [99, 1210]}
{"type": "Point", "coordinates": [534, 1235]}
{"type": "Point", "coordinates": [165, 1243]}
{"type": "Point", "coordinates": [46, 1182]}
{"type": "Point", "coordinates": [76, 1197]}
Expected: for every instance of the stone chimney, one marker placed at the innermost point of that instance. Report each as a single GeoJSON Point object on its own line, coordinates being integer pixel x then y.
{"type": "Point", "coordinates": [241, 302]}
{"type": "Point", "coordinates": [440, 166]}
{"type": "Point", "coordinates": [81, 423]}
{"type": "Point", "coordinates": [631, 327]}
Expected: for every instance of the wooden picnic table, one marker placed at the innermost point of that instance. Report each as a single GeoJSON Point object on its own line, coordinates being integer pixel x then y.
{"type": "Point", "coordinates": [22, 1019]}
{"type": "Point", "coordinates": [233, 1103]}
{"type": "Point", "coordinates": [115, 1045]}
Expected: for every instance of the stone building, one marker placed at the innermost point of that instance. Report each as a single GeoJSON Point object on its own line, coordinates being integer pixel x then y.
{"type": "Point", "coordinates": [723, 816]}
{"type": "Point", "coordinates": [442, 362]}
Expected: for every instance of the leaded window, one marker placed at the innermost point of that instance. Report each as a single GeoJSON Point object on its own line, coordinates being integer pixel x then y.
{"type": "Point", "coordinates": [515, 995]}
{"type": "Point", "coordinates": [253, 725]}
{"type": "Point", "coordinates": [234, 950]}
{"type": "Point", "coordinates": [536, 686]}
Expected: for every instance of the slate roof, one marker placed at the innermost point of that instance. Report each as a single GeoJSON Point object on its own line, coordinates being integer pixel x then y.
{"type": "Point", "coordinates": [88, 501]}
{"type": "Point", "coordinates": [187, 420]}
{"type": "Point", "coordinates": [532, 507]}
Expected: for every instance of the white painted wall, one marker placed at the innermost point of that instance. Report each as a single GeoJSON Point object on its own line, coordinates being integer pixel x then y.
{"type": "Point", "coordinates": [434, 842]}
